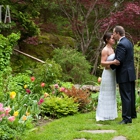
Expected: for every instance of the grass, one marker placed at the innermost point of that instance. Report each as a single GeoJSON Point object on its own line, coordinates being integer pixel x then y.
{"type": "Point", "coordinates": [70, 128]}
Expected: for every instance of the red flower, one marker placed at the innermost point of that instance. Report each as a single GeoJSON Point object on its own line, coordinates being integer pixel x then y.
{"type": "Point", "coordinates": [42, 84]}
{"type": "Point", "coordinates": [28, 91]}
{"type": "Point", "coordinates": [40, 101]}
{"type": "Point", "coordinates": [32, 78]}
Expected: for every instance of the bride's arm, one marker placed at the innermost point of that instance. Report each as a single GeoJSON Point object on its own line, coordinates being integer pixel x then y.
{"type": "Point", "coordinates": [104, 61]}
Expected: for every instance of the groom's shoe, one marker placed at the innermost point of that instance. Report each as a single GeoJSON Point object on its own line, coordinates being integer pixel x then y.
{"type": "Point", "coordinates": [125, 122]}
{"type": "Point", "coordinates": [134, 117]}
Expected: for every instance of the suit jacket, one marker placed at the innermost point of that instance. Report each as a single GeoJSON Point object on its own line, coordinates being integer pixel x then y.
{"type": "Point", "coordinates": [125, 72]}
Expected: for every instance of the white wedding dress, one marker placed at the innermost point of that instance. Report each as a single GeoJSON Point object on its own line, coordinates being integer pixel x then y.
{"type": "Point", "coordinates": [107, 106]}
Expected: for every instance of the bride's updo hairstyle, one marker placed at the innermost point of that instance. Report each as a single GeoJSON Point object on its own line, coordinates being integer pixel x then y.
{"type": "Point", "coordinates": [107, 36]}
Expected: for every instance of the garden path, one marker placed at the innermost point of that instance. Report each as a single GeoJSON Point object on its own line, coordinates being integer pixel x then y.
{"type": "Point", "coordinates": [103, 131]}
{"type": "Point", "coordinates": [43, 122]}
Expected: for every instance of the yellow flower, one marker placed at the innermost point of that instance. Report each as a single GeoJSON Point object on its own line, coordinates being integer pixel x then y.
{"type": "Point", "coordinates": [12, 94]}
{"type": "Point", "coordinates": [25, 86]}
{"type": "Point", "coordinates": [27, 113]}
{"type": "Point", "coordinates": [46, 95]}
{"type": "Point", "coordinates": [24, 118]}
{"type": "Point", "coordinates": [15, 113]}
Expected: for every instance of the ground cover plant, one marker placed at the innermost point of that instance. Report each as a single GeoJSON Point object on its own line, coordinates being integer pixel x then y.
{"type": "Point", "coordinates": [69, 128]}
{"type": "Point", "coordinates": [57, 107]}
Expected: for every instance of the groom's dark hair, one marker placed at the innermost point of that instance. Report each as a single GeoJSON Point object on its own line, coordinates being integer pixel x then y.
{"type": "Point", "coordinates": [120, 30]}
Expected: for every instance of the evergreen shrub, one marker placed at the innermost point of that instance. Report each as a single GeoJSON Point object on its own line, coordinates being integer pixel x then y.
{"type": "Point", "coordinates": [75, 67]}
{"type": "Point", "coordinates": [57, 107]}
{"type": "Point", "coordinates": [49, 73]}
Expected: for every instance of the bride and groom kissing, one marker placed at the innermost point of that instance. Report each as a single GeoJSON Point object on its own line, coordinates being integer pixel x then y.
{"type": "Point", "coordinates": [118, 68]}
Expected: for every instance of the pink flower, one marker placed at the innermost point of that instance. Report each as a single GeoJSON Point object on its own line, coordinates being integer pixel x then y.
{"type": "Point", "coordinates": [1, 107]}
{"type": "Point", "coordinates": [2, 115]}
{"type": "Point", "coordinates": [42, 84]}
{"type": "Point", "coordinates": [62, 89]}
{"type": "Point", "coordinates": [28, 91]}
{"type": "Point", "coordinates": [56, 85]}
{"type": "Point", "coordinates": [66, 91]}
{"type": "Point", "coordinates": [11, 118]}
{"type": "Point", "coordinates": [7, 110]}
{"type": "Point", "coordinates": [40, 101]}
{"type": "Point", "coordinates": [32, 78]}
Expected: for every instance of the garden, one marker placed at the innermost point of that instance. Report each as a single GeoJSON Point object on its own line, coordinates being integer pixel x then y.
{"type": "Point", "coordinates": [31, 96]}
{"type": "Point", "coordinates": [35, 99]}
{"type": "Point", "coordinates": [49, 57]}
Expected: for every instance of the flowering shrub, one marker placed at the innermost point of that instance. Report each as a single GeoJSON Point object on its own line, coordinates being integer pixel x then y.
{"type": "Point", "coordinates": [26, 97]}
{"type": "Point", "coordinates": [59, 88]}
{"type": "Point", "coordinates": [22, 103]}
{"type": "Point", "coordinates": [5, 114]}
{"type": "Point", "coordinates": [12, 121]}
{"type": "Point", "coordinates": [20, 95]}
{"type": "Point", "coordinates": [80, 96]}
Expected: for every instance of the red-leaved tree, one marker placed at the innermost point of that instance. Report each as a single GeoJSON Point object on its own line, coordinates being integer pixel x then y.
{"type": "Point", "coordinates": [91, 19]}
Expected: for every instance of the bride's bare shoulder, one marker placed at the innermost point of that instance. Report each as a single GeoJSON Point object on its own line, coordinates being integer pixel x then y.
{"type": "Point", "coordinates": [105, 50]}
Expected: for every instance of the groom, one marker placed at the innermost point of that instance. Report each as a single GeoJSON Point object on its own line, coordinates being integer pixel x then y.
{"type": "Point", "coordinates": [125, 74]}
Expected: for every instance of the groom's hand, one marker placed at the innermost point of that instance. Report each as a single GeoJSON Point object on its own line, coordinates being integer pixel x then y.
{"type": "Point", "coordinates": [107, 67]}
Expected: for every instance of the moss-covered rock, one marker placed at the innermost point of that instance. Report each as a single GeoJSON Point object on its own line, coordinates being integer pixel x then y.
{"type": "Point", "coordinates": [46, 44]}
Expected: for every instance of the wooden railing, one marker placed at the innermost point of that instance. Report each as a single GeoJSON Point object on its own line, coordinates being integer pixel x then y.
{"type": "Point", "coordinates": [29, 56]}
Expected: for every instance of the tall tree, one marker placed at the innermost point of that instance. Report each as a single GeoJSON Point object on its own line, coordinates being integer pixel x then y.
{"type": "Point", "coordinates": [128, 16]}
{"type": "Point", "coordinates": [90, 19]}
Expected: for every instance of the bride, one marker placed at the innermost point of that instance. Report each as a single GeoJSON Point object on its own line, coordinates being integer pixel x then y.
{"type": "Point", "coordinates": [107, 106]}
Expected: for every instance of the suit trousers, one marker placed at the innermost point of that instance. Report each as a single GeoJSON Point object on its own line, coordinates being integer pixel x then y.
{"type": "Point", "coordinates": [127, 92]}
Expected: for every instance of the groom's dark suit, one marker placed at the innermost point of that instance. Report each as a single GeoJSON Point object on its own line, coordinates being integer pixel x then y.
{"type": "Point", "coordinates": [125, 76]}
